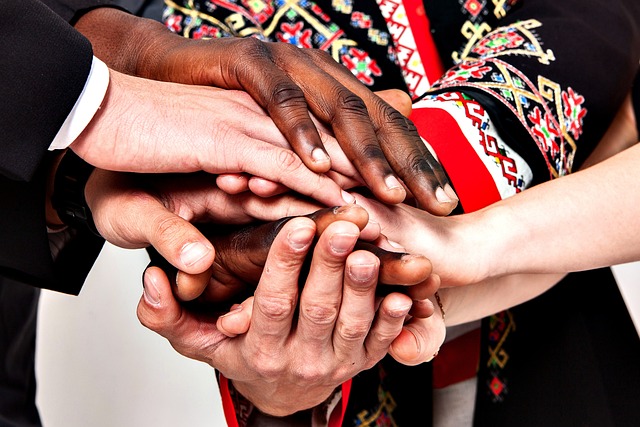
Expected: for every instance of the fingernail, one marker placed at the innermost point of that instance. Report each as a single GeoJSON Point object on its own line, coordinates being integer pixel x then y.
{"type": "Point", "coordinates": [179, 275]}
{"type": "Point", "coordinates": [319, 155]}
{"type": "Point", "coordinates": [442, 196]}
{"type": "Point", "coordinates": [452, 194]}
{"type": "Point", "coordinates": [362, 272]}
{"type": "Point", "coordinates": [374, 225]}
{"type": "Point", "coordinates": [398, 312]}
{"type": "Point", "coordinates": [395, 244]}
{"type": "Point", "coordinates": [233, 310]}
{"type": "Point", "coordinates": [150, 290]}
{"type": "Point", "coordinates": [342, 242]}
{"type": "Point", "coordinates": [301, 237]}
{"type": "Point", "coordinates": [193, 252]}
{"type": "Point", "coordinates": [392, 182]}
{"type": "Point", "coordinates": [348, 197]}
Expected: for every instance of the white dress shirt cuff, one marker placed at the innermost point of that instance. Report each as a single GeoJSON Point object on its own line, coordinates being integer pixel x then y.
{"type": "Point", "coordinates": [86, 106]}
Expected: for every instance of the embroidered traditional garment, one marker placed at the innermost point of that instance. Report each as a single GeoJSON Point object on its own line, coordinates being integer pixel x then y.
{"type": "Point", "coordinates": [508, 93]}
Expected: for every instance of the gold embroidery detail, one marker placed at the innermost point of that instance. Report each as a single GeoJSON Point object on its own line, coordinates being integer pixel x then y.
{"type": "Point", "coordinates": [497, 355]}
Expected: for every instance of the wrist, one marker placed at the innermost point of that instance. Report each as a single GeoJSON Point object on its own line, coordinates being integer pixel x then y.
{"type": "Point", "coordinates": [52, 218]}
{"type": "Point", "coordinates": [499, 232]}
{"type": "Point", "coordinates": [282, 403]}
{"type": "Point", "coordinates": [68, 199]}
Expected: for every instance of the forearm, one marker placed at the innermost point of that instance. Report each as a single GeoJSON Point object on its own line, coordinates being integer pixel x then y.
{"type": "Point", "coordinates": [469, 303]}
{"type": "Point", "coordinates": [600, 201]}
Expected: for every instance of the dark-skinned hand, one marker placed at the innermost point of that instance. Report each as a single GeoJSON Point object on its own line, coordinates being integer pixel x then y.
{"type": "Point", "coordinates": [241, 253]}
{"type": "Point", "coordinates": [292, 85]}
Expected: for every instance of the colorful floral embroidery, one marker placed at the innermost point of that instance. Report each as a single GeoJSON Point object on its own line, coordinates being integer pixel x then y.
{"type": "Point", "coordinates": [361, 65]}
{"type": "Point", "coordinates": [552, 116]}
{"type": "Point", "coordinates": [302, 23]}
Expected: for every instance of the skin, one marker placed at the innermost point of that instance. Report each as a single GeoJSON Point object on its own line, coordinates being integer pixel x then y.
{"type": "Point", "coordinates": [461, 303]}
{"type": "Point", "coordinates": [382, 144]}
{"type": "Point", "coordinates": [169, 203]}
{"type": "Point", "coordinates": [258, 345]}
{"type": "Point", "coordinates": [578, 202]}
{"type": "Point", "coordinates": [337, 330]}
{"type": "Point", "coordinates": [172, 204]}
{"type": "Point", "coordinates": [137, 113]}
{"type": "Point", "coordinates": [242, 253]}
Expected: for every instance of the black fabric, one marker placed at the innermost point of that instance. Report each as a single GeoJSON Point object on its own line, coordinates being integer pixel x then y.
{"type": "Point", "coordinates": [391, 394]}
{"type": "Point", "coordinates": [574, 32]}
{"type": "Point", "coordinates": [635, 99]}
{"type": "Point", "coordinates": [605, 29]}
{"type": "Point", "coordinates": [45, 64]}
{"type": "Point", "coordinates": [445, 20]}
{"type": "Point", "coordinates": [25, 255]}
{"type": "Point", "coordinates": [573, 360]}
{"type": "Point", "coordinates": [18, 321]}
{"type": "Point", "coordinates": [44, 69]}
{"type": "Point", "coordinates": [68, 9]}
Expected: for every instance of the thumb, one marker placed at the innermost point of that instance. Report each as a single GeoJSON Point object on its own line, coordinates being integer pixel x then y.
{"type": "Point", "coordinates": [419, 341]}
{"type": "Point", "coordinates": [158, 309]}
{"type": "Point", "coordinates": [237, 320]}
{"type": "Point", "coordinates": [192, 335]}
{"type": "Point", "coordinates": [183, 246]}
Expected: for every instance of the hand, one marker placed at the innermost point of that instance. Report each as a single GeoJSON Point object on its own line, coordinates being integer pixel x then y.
{"type": "Point", "coordinates": [451, 243]}
{"type": "Point", "coordinates": [241, 253]}
{"type": "Point", "coordinates": [300, 344]}
{"type": "Point", "coordinates": [379, 140]}
{"type": "Point", "coordinates": [137, 210]}
{"type": "Point", "coordinates": [342, 170]}
{"type": "Point", "coordinates": [139, 129]}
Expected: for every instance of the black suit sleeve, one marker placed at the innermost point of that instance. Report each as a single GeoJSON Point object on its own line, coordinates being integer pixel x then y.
{"type": "Point", "coordinates": [45, 64]}
{"type": "Point", "coordinates": [71, 10]}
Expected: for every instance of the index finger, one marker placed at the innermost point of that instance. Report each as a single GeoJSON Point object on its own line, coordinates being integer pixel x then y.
{"type": "Point", "coordinates": [395, 148]}
{"type": "Point", "coordinates": [276, 297]}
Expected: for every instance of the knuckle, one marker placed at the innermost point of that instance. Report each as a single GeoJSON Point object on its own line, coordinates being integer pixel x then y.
{"type": "Point", "coordinates": [371, 150]}
{"type": "Point", "coordinates": [286, 94]}
{"type": "Point", "coordinates": [320, 55]}
{"type": "Point", "coordinates": [310, 373]}
{"type": "Point", "coordinates": [267, 366]}
{"type": "Point", "coordinates": [321, 315]}
{"type": "Point", "coordinates": [418, 163]}
{"type": "Point", "coordinates": [409, 125]}
{"type": "Point", "coordinates": [383, 338]}
{"type": "Point", "coordinates": [395, 119]}
{"type": "Point", "coordinates": [275, 307]}
{"type": "Point", "coordinates": [165, 228]}
{"type": "Point", "coordinates": [288, 161]}
{"type": "Point", "coordinates": [353, 103]}
{"type": "Point", "coordinates": [251, 47]}
{"type": "Point", "coordinates": [354, 331]}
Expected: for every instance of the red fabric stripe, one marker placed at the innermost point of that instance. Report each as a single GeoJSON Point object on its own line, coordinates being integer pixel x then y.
{"type": "Point", "coordinates": [419, 23]}
{"type": "Point", "coordinates": [337, 416]}
{"type": "Point", "coordinates": [227, 403]}
{"type": "Point", "coordinates": [457, 360]}
{"type": "Point", "coordinates": [335, 420]}
{"type": "Point", "coordinates": [471, 179]}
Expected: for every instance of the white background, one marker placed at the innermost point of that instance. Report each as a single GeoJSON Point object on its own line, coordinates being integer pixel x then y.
{"type": "Point", "coordinates": [97, 366]}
